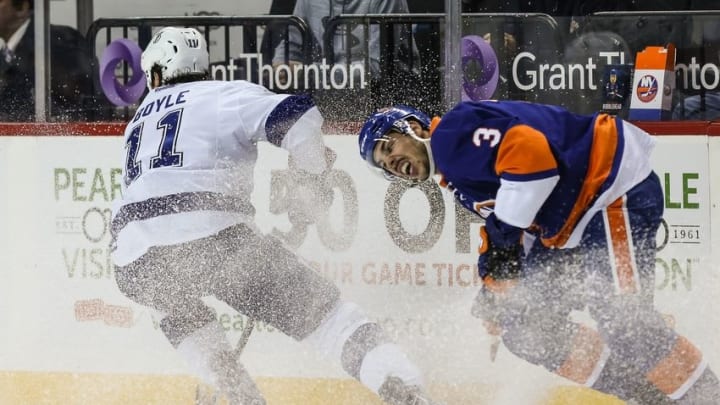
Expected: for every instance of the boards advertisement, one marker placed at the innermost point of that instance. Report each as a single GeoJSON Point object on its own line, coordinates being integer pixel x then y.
{"type": "Point", "coordinates": [406, 255]}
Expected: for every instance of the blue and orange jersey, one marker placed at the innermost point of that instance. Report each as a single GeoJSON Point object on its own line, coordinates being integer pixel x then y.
{"type": "Point", "coordinates": [540, 167]}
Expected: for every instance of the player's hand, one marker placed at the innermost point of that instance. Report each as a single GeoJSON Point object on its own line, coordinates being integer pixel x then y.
{"type": "Point", "coordinates": [310, 194]}
{"type": "Point", "coordinates": [310, 199]}
{"type": "Point", "coordinates": [499, 267]}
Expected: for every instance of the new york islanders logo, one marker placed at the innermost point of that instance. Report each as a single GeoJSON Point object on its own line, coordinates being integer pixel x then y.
{"type": "Point", "coordinates": [647, 88]}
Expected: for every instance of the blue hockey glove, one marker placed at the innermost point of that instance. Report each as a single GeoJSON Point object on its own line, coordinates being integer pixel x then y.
{"type": "Point", "coordinates": [501, 254]}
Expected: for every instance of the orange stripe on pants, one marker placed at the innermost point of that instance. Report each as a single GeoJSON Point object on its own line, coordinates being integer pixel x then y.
{"type": "Point", "coordinates": [620, 239]}
{"type": "Point", "coordinates": [677, 367]}
{"type": "Point", "coordinates": [584, 357]}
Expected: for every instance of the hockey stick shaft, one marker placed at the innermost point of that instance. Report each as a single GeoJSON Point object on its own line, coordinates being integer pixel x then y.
{"type": "Point", "coordinates": [244, 336]}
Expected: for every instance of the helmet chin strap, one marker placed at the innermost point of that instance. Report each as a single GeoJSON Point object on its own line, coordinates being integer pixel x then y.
{"type": "Point", "coordinates": [431, 161]}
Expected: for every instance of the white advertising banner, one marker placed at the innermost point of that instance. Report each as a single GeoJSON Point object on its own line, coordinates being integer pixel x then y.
{"type": "Point", "coordinates": [408, 256]}
{"type": "Point", "coordinates": [714, 161]}
{"type": "Point", "coordinates": [686, 283]}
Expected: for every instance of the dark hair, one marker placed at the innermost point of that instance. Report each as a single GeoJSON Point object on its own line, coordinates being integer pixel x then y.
{"type": "Point", "coordinates": [190, 77]}
{"type": "Point", "coordinates": [17, 4]}
{"type": "Point", "coordinates": [186, 78]}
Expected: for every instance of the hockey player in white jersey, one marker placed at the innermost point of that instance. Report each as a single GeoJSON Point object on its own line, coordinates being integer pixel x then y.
{"type": "Point", "coordinates": [183, 228]}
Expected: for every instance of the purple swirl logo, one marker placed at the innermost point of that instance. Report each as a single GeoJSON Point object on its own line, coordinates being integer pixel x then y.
{"type": "Point", "coordinates": [122, 50]}
{"type": "Point", "coordinates": [479, 67]}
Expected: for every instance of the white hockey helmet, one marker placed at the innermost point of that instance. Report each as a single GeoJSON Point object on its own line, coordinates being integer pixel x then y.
{"type": "Point", "coordinates": [177, 51]}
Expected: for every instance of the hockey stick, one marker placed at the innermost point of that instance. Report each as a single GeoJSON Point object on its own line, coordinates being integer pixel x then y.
{"type": "Point", "coordinates": [494, 346]}
{"type": "Point", "coordinates": [244, 337]}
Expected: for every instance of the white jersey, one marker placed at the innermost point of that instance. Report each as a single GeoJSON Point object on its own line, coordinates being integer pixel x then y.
{"type": "Point", "coordinates": [189, 159]}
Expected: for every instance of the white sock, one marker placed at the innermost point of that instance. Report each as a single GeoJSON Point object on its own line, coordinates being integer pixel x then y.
{"type": "Point", "coordinates": [337, 327]}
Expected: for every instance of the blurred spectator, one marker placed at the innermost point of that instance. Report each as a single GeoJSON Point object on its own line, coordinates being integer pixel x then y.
{"type": "Point", "coordinates": [429, 40]}
{"type": "Point", "coordinates": [71, 67]}
{"type": "Point", "coordinates": [372, 76]}
{"type": "Point", "coordinates": [516, 32]}
{"type": "Point", "coordinates": [698, 107]}
{"type": "Point", "coordinates": [572, 15]}
{"type": "Point", "coordinates": [696, 101]}
{"type": "Point", "coordinates": [636, 31]}
{"type": "Point", "coordinates": [552, 7]}
{"type": "Point", "coordinates": [317, 13]}
{"type": "Point", "coordinates": [273, 34]}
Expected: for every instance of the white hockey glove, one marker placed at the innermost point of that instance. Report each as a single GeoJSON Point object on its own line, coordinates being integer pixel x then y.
{"type": "Point", "coordinates": [310, 195]}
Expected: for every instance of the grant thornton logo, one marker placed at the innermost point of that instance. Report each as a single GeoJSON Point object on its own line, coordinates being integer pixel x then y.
{"type": "Point", "coordinates": [321, 75]}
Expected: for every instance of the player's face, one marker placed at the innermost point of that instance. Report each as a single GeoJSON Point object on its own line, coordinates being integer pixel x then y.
{"type": "Point", "coordinates": [403, 156]}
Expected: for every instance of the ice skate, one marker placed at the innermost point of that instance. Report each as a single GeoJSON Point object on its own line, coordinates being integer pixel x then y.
{"type": "Point", "coordinates": [395, 392]}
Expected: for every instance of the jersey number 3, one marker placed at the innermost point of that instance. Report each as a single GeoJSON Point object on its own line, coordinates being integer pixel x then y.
{"type": "Point", "coordinates": [169, 124]}
{"type": "Point", "coordinates": [490, 135]}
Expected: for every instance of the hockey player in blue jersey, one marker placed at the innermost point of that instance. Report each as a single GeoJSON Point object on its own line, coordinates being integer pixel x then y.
{"type": "Point", "coordinates": [183, 228]}
{"type": "Point", "coordinates": [571, 208]}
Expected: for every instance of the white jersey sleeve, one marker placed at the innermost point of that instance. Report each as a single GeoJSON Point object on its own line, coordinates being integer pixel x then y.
{"type": "Point", "coordinates": [292, 122]}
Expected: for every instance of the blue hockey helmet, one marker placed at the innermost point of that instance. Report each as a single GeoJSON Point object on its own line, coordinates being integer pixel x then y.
{"type": "Point", "coordinates": [381, 122]}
